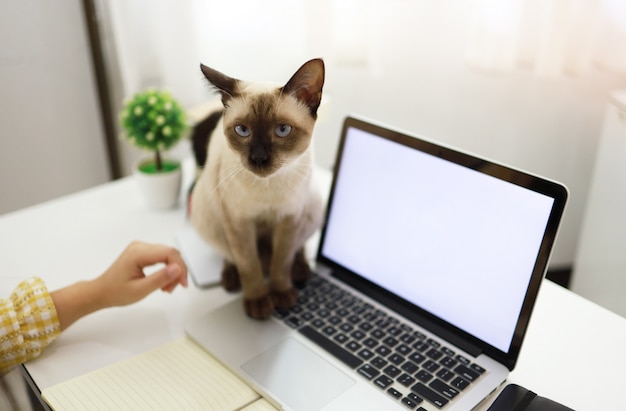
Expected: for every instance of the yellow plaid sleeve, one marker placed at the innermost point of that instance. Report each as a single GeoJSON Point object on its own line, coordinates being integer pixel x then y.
{"type": "Point", "coordinates": [28, 323]}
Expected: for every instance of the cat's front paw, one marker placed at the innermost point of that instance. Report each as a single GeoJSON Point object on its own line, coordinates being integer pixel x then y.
{"type": "Point", "coordinates": [284, 299]}
{"type": "Point", "coordinates": [230, 277]}
{"type": "Point", "coordinates": [260, 308]}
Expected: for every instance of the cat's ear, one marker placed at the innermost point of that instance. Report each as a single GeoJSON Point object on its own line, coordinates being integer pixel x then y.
{"type": "Point", "coordinates": [306, 85]}
{"type": "Point", "coordinates": [227, 86]}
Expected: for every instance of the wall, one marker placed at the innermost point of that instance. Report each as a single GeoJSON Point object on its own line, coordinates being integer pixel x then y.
{"type": "Point", "coordinates": [51, 142]}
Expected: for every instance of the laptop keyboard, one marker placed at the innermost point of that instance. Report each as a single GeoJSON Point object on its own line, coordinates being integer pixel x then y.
{"type": "Point", "coordinates": [409, 365]}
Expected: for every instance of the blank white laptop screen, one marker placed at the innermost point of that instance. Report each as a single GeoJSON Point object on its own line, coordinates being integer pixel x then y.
{"type": "Point", "coordinates": [455, 242]}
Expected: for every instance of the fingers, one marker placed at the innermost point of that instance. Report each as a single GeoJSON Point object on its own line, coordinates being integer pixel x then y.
{"type": "Point", "coordinates": [146, 254]}
{"type": "Point", "coordinates": [167, 278]}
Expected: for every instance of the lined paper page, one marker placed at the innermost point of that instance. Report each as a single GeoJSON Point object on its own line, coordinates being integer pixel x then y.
{"type": "Point", "coordinates": [177, 375]}
{"type": "Point", "coordinates": [260, 405]}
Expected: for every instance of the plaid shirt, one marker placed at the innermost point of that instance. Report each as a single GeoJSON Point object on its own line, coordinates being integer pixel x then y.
{"type": "Point", "coordinates": [28, 324]}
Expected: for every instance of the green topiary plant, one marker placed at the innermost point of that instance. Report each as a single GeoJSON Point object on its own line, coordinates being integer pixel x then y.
{"type": "Point", "coordinates": [154, 121]}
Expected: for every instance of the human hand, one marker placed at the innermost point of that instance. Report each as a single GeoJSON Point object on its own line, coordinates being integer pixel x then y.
{"type": "Point", "coordinates": [125, 282]}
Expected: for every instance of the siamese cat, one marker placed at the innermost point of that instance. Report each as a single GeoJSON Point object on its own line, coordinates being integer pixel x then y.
{"type": "Point", "coordinates": [254, 199]}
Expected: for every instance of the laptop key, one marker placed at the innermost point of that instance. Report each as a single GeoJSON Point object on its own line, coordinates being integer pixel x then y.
{"type": "Point", "coordinates": [407, 338]}
{"type": "Point", "coordinates": [345, 327]}
{"type": "Point", "coordinates": [368, 371]}
{"type": "Point", "coordinates": [379, 362]}
{"type": "Point", "coordinates": [409, 367]}
{"type": "Point", "coordinates": [365, 354]}
{"type": "Point", "coordinates": [412, 396]}
{"type": "Point", "coordinates": [341, 338]}
{"type": "Point", "coordinates": [430, 366]}
{"type": "Point", "coordinates": [433, 343]}
{"type": "Point", "coordinates": [396, 359]}
{"type": "Point", "coordinates": [448, 362]}
{"type": "Point", "coordinates": [370, 342]}
{"type": "Point", "coordinates": [424, 376]}
{"type": "Point", "coordinates": [317, 323]}
{"type": "Point", "coordinates": [382, 350]}
{"type": "Point", "coordinates": [281, 313]}
{"type": "Point", "coordinates": [358, 335]}
{"type": "Point", "coordinates": [331, 305]}
{"type": "Point", "coordinates": [378, 333]}
{"type": "Point", "coordinates": [383, 323]}
{"type": "Point", "coordinates": [392, 371]}
{"type": "Point", "coordinates": [409, 402]}
{"type": "Point", "coordinates": [353, 346]}
{"type": "Point", "coordinates": [447, 351]}
{"type": "Point", "coordinates": [371, 317]}
{"type": "Point", "coordinates": [293, 321]}
{"type": "Point", "coordinates": [462, 359]}
{"type": "Point", "coordinates": [443, 388]}
{"type": "Point", "coordinates": [334, 320]}
{"type": "Point", "coordinates": [421, 346]}
{"type": "Point", "coordinates": [406, 380]}
{"type": "Point", "coordinates": [417, 357]}
{"type": "Point", "coordinates": [466, 373]}
{"type": "Point", "coordinates": [459, 383]}
{"type": "Point", "coordinates": [429, 395]}
{"type": "Point", "coordinates": [403, 349]}
{"type": "Point", "coordinates": [383, 381]}
{"type": "Point", "coordinates": [345, 356]}
{"type": "Point", "coordinates": [477, 368]}
{"type": "Point", "coordinates": [395, 331]}
{"type": "Point", "coordinates": [394, 393]}
{"type": "Point", "coordinates": [328, 330]}
{"type": "Point", "coordinates": [434, 354]}
{"type": "Point", "coordinates": [354, 319]}
{"type": "Point", "coordinates": [445, 375]}
{"type": "Point", "coordinates": [366, 326]}
{"type": "Point", "coordinates": [390, 341]}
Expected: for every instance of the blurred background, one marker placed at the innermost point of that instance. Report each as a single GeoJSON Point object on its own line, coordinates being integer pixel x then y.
{"type": "Point", "coordinates": [531, 83]}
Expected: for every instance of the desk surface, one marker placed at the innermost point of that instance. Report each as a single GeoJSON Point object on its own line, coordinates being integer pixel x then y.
{"type": "Point", "coordinates": [572, 352]}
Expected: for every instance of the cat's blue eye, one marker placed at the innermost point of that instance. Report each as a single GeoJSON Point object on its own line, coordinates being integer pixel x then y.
{"type": "Point", "coordinates": [242, 130]}
{"type": "Point", "coordinates": [283, 130]}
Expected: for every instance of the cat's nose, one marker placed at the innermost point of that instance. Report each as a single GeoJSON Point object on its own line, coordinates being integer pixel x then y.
{"type": "Point", "coordinates": [259, 160]}
{"type": "Point", "coordinates": [258, 155]}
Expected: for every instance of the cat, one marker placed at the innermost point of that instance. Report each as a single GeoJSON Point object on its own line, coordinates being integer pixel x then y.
{"type": "Point", "coordinates": [254, 199]}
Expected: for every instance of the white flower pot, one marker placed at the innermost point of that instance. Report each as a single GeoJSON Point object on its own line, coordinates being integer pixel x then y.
{"type": "Point", "coordinates": [161, 190]}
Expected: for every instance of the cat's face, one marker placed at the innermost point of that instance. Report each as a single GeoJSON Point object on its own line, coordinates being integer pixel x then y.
{"type": "Point", "coordinates": [270, 126]}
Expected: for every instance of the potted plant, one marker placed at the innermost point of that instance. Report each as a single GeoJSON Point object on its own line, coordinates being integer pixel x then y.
{"type": "Point", "coordinates": [154, 121]}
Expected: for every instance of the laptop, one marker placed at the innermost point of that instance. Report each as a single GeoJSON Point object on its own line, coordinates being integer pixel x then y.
{"type": "Point", "coordinates": [428, 266]}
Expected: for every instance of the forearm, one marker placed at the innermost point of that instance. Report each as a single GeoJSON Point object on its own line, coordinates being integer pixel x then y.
{"type": "Point", "coordinates": [76, 301]}
{"type": "Point", "coordinates": [28, 323]}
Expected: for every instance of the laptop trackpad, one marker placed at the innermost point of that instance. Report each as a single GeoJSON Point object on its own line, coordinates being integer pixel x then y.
{"type": "Point", "coordinates": [296, 376]}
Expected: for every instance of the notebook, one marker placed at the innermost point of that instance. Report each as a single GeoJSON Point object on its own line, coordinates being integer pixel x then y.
{"type": "Point", "coordinates": [177, 375]}
{"type": "Point", "coordinates": [443, 250]}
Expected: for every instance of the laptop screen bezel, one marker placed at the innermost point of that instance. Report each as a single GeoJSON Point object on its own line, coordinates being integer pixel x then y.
{"type": "Point", "coordinates": [416, 314]}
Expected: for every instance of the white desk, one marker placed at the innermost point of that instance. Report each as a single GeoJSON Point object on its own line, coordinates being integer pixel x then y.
{"type": "Point", "coordinates": [573, 352]}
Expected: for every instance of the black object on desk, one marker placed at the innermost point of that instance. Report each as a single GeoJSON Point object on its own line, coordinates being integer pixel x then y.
{"type": "Point", "coordinates": [517, 398]}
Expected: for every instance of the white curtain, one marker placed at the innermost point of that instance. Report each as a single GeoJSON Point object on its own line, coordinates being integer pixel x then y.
{"type": "Point", "coordinates": [416, 53]}
{"type": "Point", "coordinates": [549, 37]}
{"type": "Point", "coordinates": [162, 43]}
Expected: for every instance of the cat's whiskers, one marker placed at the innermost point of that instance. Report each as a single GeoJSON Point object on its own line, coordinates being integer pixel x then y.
{"type": "Point", "coordinates": [230, 172]}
